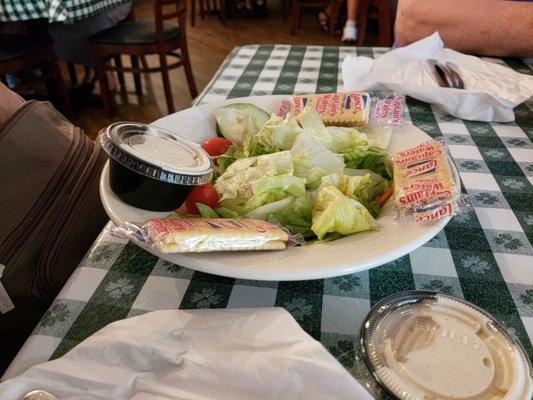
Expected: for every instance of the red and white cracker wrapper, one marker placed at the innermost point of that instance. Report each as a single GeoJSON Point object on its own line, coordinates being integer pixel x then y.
{"type": "Point", "coordinates": [180, 235]}
{"type": "Point", "coordinates": [339, 109]}
{"type": "Point", "coordinates": [424, 187]}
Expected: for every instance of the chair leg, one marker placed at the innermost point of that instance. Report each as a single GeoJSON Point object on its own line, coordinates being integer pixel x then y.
{"type": "Point", "coordinates": [222, 12]}
{"type": "Point", "coordinates": [144, 62]}
{"type": "Point", "coordinates": [284, 10]}
{"type": "Point", "coordinates": [295, 17]}
{"type": "Point", "coordinates": [188, 70]}
{"type": "Point", "coordinates": [166, 82]}
{"type": "Point", "coordinates": [385, 23]}
{"type": "Point", "coordinates": [102, 80]}
{"type": "Point", "coordinates": [202, 9]}
{"type": "Point", "coordinates": [61, 87]}
{"type": "Point", "coordinates": [362, 19]}
{"type": "Point", "coordinates": [120, 74]}
{"type": "Point", "coordinates": [193, 12]}
{"type": "Point", "coordinates": [136, 76]}
{"type": "Point", "coordinates": [333, 17]}
{"type": "Point", "coordinates": [72, 74]}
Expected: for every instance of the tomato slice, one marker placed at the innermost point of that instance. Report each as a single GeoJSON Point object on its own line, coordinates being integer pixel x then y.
{"type": "Point", "coordinates": [216, 146]}
{"type": "Point", "coordinates": [205, 194]}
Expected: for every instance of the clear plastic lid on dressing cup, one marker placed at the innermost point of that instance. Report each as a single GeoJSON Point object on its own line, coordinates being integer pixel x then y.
{"type": "Point", "coordinates": [422, 345]}
{"type": "Point", "coordinates": [157, 153]}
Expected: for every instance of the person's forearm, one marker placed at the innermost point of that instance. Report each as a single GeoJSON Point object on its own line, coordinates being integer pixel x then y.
{"type": "Point", "coordinates": [485, 27]}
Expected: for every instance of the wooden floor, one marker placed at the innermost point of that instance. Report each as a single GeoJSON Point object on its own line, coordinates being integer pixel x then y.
{"type": "Point", "coordinates": [209, 43]}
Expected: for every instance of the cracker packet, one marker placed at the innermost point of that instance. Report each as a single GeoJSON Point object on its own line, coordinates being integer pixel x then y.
{"type": "Point", "coordinates": [426, 188]}
{"type": "Point", "coordinates": [335, 109]}
{"type": "Point", "coordinates": [182, 235]}
{"type": "Point", "coordinates": [352, 109]}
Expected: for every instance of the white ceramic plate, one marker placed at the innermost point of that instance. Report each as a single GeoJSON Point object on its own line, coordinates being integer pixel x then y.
{"type": "Point", "coordinates": [343, 256]}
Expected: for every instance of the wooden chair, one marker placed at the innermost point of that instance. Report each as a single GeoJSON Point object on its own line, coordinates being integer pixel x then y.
{"type": "Point", "coordinates": [21, 52]}
{"type": "Point", "coordinates": [140, 38]}
{"type": "Point", "coordinates": [298, 6]}
{"type": "Point", "coordinates": [385, 21]}
{"type": "Point", "coordinates": [208, 6]}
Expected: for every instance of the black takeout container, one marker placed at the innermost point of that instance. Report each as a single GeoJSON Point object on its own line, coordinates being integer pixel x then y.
{"type": "Point", "coordinates": [151, 168]}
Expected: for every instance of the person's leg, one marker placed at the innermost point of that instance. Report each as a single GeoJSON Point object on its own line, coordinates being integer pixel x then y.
{"type": "Point", "coordinates": [349, 34]}
{"type": "Point", "coordinates": [71, 41]}
{"type": "Point", "coordinates": [351, 10]}
{"type": "Point", "coordinates": [328, 17]}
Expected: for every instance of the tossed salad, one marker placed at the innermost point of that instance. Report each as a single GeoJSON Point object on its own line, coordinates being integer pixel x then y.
{"type": "Point", "coordinates": [322, 182]}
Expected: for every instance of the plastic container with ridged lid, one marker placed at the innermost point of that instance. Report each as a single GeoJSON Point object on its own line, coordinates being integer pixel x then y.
{"type": "Point", "coordinates": [421, 345]}
{"type": "Point", "coordinates": [151, 168]}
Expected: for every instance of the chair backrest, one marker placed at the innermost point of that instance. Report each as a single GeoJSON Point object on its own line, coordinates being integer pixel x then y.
{"type": "Point", "coordinates": [165, 10]}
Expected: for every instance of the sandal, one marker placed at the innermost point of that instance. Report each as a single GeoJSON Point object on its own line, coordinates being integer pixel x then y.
{"type": "Point", "coordinates": [323, 20]}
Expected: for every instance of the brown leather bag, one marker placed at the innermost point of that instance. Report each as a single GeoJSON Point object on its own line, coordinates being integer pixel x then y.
{"type": "Point", "coordinates": [50, 213]}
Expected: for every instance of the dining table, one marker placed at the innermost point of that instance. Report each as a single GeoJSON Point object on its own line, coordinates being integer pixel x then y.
{"type": "Point", "coordinates": [66, 11]}
{"type": "Point", "coordinates": [484, 256]}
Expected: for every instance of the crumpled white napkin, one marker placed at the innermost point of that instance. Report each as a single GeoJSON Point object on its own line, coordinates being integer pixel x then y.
{"type": "Point", "coordinates": [198, 354]}
{"type": "Point", "coordinates": [491, 90]}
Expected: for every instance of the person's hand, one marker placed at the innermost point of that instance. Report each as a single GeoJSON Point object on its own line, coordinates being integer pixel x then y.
{"type": "Point", "coordinates": [9, 102]}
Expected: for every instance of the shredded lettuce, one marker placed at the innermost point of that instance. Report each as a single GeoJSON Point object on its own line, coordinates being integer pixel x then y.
{"type": "Point", "coordinates": [277, 134]}
{"type": "Point", "coordinates": [227, 213]}
{"type": "Point", "coordinates": [335, 138]}
{"type": "Point", "coordinates": [377, 184]}
{"type": "Point", "coordinates": [273, 188]}
{"type": "Point", "coordinates": [253, 182]}
{"type": "Point", "coordinates": [312, 160]}
{"type": "Point", "coordinates": [236, 122]}
{"type": "Point", "coordinates": [206, 211]}
{"type": "Point", "coordinates": [236, 181]}
{"type": "Point", "coordinates": [351, 186]}
{"type": "Point", "coordinates": [271, 208]}
{"type": "Point", "coordinates": [373, 158]}
{"type": "Point", "coordinates": [224, 160]}
{"type": "Point", "coordinates": [335, 212]}
{"type": "Point", "coordinates": [297, 216]}
{"type": "Point", "coordinates": [317, 181]}
{"type": "Point", "coordinates": [363, 188]}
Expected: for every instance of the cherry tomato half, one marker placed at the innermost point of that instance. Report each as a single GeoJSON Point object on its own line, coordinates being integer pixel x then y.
{"type": "Point", "coordinates": [205, 194]}
{"type": "Point", "coordinates": [216, 146]}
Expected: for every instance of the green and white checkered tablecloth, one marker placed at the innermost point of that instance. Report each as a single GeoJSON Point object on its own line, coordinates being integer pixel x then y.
{"type": "Point", "coordinates": [54, 10]}
{"type": "Point", "coordinates": [485, 256]}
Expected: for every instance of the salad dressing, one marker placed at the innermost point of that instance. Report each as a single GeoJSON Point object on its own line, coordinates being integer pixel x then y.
{"type": "Point", "coordinates": [425, 345]}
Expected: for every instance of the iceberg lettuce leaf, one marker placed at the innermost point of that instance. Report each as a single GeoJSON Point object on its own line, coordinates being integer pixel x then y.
{"type": "Point", "coordinates": [335, 212]}
{"type": "Point", "coordinates": [312, 160]}
{"type": "Point", "coordinates": [236, 181]}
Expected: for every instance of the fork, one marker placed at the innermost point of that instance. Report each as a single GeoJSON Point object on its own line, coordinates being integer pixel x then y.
{"type": "Point", "coordinates": [454, 70]}
{"type": "Point", "coordinates": [446, 75]}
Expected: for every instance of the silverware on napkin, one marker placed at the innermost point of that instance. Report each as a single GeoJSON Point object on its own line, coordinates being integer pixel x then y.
{"type": "Point", "coordinates": [454, 70]}
{"type": "Point", "coordinates": [446, 75]}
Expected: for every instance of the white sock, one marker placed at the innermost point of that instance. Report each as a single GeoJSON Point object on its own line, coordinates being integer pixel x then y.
{"type": "Point", "coordinates": [349, 33]}
{"type": "Point", "coordinates": [350, 23]}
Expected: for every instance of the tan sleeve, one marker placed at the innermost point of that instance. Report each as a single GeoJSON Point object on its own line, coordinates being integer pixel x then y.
{"type": "Point", "coordinates": [9, 102]}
